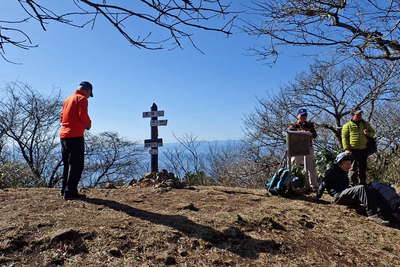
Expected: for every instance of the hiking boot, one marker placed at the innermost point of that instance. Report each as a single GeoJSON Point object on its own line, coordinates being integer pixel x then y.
{"type": "Point", "coordinates": [378, 220]}
{"type": "Point", "coordinates": [72, 196]}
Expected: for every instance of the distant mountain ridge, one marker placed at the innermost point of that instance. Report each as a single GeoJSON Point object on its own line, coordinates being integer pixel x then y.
{"type": "Point", "coordinates": [204, 145]}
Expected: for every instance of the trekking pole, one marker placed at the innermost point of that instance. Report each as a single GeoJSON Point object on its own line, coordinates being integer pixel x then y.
{"type": "Point", "coordinates": [282, 164]}
{"type": "Point", "coordinates": [289, 151]}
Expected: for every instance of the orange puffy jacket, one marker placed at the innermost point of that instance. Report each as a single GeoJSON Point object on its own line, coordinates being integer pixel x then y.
{"type": "Point", "coordinates": [74, 116]}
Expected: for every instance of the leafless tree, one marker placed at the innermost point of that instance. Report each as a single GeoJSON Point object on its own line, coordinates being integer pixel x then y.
{"type": "Point", "coordinates": [329, 92]}
{"type": "Point", "coordinates": [30, 121]}
{"type": "Point", "coordinates": [111, 159]}
{"type": "Point", "coordinates": [185, 158]}
{"type": "Point", "coordinates": [363, 28]}
{"type": "Point", "coordinates": [229, 163]}
{"type": "Point", "coordinates": [386, 163]}
{"type": "Point", "coordinates": [163, 21]}
{"type": "Point", "coordinates": [241, 165]}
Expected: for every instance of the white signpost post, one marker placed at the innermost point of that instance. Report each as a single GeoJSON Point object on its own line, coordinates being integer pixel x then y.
{"type": "Point", "coordinates": [154, 142]}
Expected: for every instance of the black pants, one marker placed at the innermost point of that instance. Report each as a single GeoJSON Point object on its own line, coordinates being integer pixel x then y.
{"type": "Point", "coordinates": [358, 171]}
{"type": "Point", "coordinates": [73, 150]}
{"type": "Point", "coordinates": [356, 195]}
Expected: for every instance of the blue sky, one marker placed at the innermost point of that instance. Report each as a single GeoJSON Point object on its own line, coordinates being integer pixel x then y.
{"type": "Point", "coordinates": [204, 95]}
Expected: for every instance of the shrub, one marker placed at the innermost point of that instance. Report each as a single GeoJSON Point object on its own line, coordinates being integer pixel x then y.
{"type": "Point", "coordinates": [324, 161]}
{"type": "Point", "coordinates": [198, 178]}
{"type": "Point", "coordinates": [16, 174]}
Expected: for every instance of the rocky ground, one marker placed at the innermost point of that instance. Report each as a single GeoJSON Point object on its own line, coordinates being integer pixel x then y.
{"type": "Point", "coordinates": [197, 226]}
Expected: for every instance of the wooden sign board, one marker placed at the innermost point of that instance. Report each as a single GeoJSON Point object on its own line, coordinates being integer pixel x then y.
{"type": "Point", "coordinates": [158, 122]}
{"type": "Point", "coordinates": [149, 114]}
{"type": "Point", "coordinates": [153, 142]}
{"type": "Point", "coordinates": [298, 143]}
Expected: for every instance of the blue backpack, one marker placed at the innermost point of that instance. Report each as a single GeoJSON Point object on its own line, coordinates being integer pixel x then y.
{"type": "Point", "coordinates": [279, 183]}
{"type": "Point", "coordinates": [283, 183]}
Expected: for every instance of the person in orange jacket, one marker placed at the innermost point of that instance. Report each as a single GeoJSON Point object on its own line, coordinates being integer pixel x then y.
{"type": "Point", "coordinates": [75, 120]}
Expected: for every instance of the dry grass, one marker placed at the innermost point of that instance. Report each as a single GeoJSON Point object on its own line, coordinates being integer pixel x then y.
{"type": "Point", "coordinates": [223, 227]}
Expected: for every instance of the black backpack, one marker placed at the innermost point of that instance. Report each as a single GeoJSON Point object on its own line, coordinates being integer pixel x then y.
{"type": "Point", "coordinates": [372, 147]}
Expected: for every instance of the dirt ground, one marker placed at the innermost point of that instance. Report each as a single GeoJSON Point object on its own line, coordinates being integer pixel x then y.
{"type": "Point", "coordinates": [199, 226]}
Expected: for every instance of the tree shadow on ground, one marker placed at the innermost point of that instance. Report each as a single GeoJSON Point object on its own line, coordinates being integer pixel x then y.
{"type": "Point", "coordinates": [231, 239]}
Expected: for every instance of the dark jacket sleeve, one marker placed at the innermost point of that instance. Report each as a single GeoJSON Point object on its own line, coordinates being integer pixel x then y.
{"type": "Point", "coordinates": [328, 182]}
{"type": "Point", "coordinates": [292, 126]}
{"type": "Point", "coordinates": [312, 130]}
{"type": "Point", "coordinates": [325, 181]}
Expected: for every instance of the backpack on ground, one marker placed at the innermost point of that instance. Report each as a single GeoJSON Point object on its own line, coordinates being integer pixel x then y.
{"type": "Point", "coordinates": [388, 194]}
{"type": "Point", "coordinates": [284, 183]}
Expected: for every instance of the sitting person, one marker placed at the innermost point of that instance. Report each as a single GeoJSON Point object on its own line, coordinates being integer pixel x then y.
{"type": "Point", "coordinates": [336, 181]}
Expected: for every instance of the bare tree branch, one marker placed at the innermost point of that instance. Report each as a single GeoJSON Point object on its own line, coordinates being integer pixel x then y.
{"type": "Point", "coordinates": [111, 159]}
{"type": "Point", "coordinates": [172, 21]}
{"type": "Point", "coordinates": [30, 120]}
{"type": "Point", "coordinates": [367, 29]}
{"type": "Point", "coordinates": [329, 92]}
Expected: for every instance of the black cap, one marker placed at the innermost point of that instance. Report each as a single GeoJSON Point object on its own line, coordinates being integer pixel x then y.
{"type": "Point", "coordinates": [86, 86]}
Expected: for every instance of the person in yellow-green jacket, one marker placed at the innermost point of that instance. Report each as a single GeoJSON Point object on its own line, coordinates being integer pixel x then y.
{"type": "Point", "coordinates": [354, 142]}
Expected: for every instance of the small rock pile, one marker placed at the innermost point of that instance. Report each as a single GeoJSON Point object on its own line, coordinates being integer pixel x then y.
{"type": "Point", "coordinates": [164, 181]}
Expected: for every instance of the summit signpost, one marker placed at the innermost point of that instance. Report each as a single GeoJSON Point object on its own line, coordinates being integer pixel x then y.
{"type": "Point", "coordinates": [154, 142]}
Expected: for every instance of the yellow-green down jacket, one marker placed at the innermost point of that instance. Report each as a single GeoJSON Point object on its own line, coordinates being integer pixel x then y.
{"type": "Point", "coordinates": [353, 136]}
